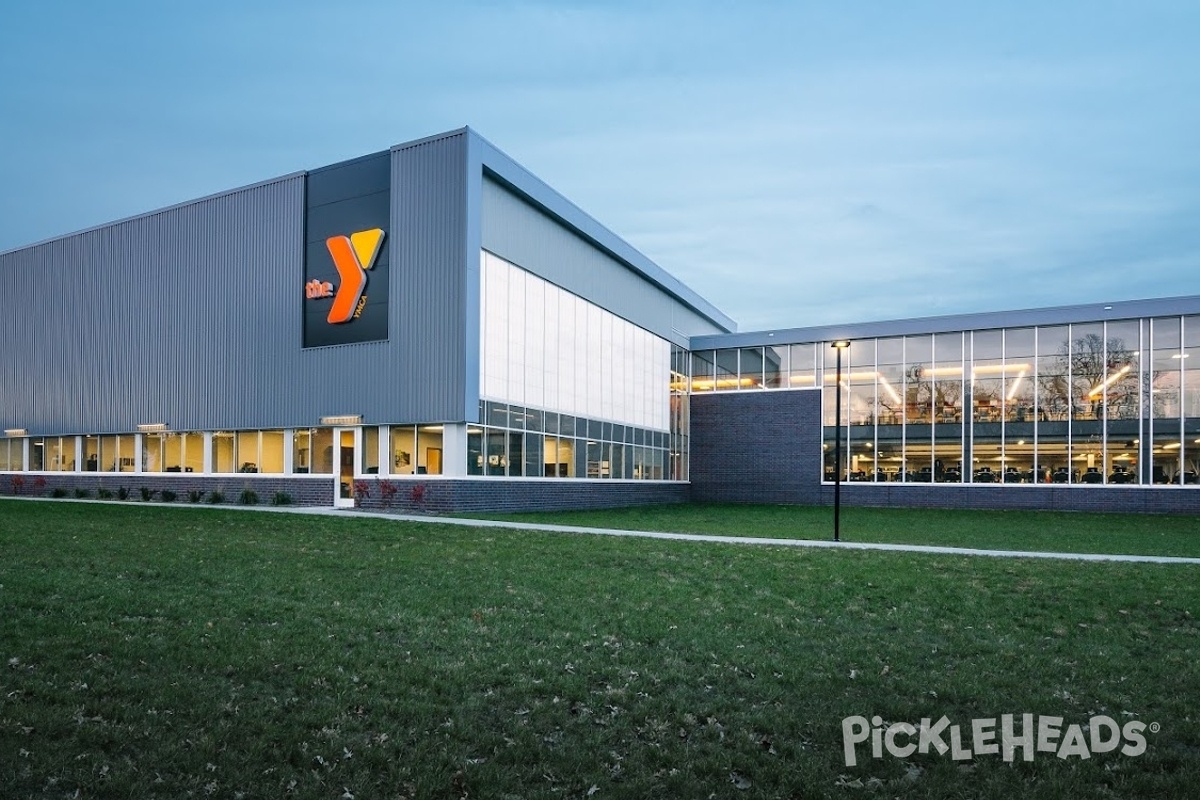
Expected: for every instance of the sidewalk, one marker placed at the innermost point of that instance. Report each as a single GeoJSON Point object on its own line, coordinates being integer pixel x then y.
{"type": "Point", "coordinates": [683, 537]}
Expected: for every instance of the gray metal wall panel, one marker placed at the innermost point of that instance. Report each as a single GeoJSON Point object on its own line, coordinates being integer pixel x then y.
{"type": "Point", "coordinates": [175, 316]}
{"type": "Point", "coordinates": [191, 316]}
{"type": "Point", "coordinates": [429, 280]}
{"type": "Point", "coordinates": [517, 231]}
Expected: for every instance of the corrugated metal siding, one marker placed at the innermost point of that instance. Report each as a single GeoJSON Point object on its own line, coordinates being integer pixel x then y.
{"type": "Point", "coordinates": [526, 236]}
{"type": "Point", "coordinates": [192, 316]}
{"type": "Point", "coordinates": [180, 316]}
{"type": "Point", "coordinates": [428, 321]}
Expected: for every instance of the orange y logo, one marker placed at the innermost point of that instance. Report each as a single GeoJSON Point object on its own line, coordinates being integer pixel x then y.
{"type": "Point", "coordinates": [353, 255]}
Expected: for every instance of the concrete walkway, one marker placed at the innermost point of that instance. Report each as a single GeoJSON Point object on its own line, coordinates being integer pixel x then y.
{"type": "Point", "coordinates": [755, 540]}
{"type": "Point", "coordinates": [350, 513]}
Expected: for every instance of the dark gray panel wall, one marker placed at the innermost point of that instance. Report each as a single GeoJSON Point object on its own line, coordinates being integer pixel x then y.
{"type": "Point", "coordinates": [191, 316]}
{"type": "Point", "coordinates": [526, 236]}
{"type": "Point", "coordinates": [756, 447]}
{"type": "Point", "coordinates": [180, 316]}
{"type": "Point", "coordinates": [429, 330]}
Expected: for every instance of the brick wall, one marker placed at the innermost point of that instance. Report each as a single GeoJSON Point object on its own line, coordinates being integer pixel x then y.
{"type": "Point", "coordinates": [455, 495]}
{"type": "Point", "coordinates": [302, 491]}
{"type": "Point", "coordinates": [756, 447]}
{"type": "Point", "coordinates": [441, 495]}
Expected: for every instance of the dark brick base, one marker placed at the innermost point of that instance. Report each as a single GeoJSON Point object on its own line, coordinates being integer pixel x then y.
{"type": "Point", "coordinates": [1128, 499]}
{"type": "Point", "coordinates": [453, 495]}
{"type": "Point", "coordinates": [302, 491]}
{"type": "Point", "coordinates": [442, 495]}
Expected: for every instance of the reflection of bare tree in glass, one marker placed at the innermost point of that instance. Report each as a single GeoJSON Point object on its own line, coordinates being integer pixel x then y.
{"type": "Point", "coordinates": [1099, 368]}
{"type": "Point", "coordinates": [918, 393]}
{"type": "Point", "coordinates": [948, 395]}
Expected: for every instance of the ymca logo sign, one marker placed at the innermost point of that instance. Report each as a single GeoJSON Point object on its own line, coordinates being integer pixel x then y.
{"type": "Point", "coordinates": [352, 256]}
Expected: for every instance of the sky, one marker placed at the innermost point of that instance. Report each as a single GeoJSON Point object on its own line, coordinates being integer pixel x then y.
{"type": "Point", "coordinates": [796, 164]}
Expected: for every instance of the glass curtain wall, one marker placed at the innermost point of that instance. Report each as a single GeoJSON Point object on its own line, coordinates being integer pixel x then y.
{"type": "Point", "coordinates": [1099, 403]}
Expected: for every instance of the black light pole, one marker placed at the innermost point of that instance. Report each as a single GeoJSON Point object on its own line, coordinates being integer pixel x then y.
{"type": "Point", "coordinates": [839, 346]}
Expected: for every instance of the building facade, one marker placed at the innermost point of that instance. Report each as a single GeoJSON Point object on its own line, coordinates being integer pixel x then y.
{"type": "Point", "coordinates": [433, 327]}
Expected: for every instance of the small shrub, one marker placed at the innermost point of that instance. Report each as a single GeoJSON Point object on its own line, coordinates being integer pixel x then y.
{"type": "Point", "coordinates": [58, 491]}
{"type": "Point", "coordinates": [195, 495]}
{"type": "Point", "coordinates": [104, 494]}
{"type": "Point", "coordinates": [82, 493]}
{"type": "Point", "coordinates": [167, 496]}
{"type": "Point", "coordinates": [362, 490]}
{"type": "Point", "coordinates": [281, 499]}
{"type": "Point", "coordinates": [123, 493]}
{"type": "Point", "coordinates": [17, 483]}
{"type": "Point", "coordinates": [216, 496]}
{"type": "Point", "coordinates": [387, 492]}
{"type": "Point", "coordinates": [147, 494]}
{"type": "Point", "coordinates": [248, 497]}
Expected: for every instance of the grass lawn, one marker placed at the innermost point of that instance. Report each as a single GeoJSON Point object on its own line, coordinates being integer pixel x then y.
{"type": "Point", "coordinates": [207, 652]}
{"type": "Point", "coordinates": [1045, 531]}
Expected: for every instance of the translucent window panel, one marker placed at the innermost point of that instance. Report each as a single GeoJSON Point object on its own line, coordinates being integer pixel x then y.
{"type": "Point", "coordinates": [429, 449]}
{"type": "Point", "coordinates": [224, 452]}
{"type": "Point", "coordinates": [727, 370]}
{"type": "Point", "coordinates": [802, 366]}
{"type": "Point", "coordinates": [6, 460]}
{"type": "Point", "coordinates": [91, 453]}
{"type": "Point", "coordinates": [1053, 371]}
{"type": "Point", "coordinates": [561, 353]}
{"type": "Point", "coordinates": [774, 366]}
{"type": "Point", "coordinates": [248, 457]}
{"type": "Point", "coordinates": [368, 454]}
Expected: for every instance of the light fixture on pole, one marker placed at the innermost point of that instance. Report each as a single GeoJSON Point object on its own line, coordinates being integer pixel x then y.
{"type": "Point", "coordinates": [839, 346]}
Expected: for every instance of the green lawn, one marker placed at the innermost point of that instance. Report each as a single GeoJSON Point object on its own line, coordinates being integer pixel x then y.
{"type": "Point", "coordinates": [173, 652]}
{"type": "Point", "coordinates": [1045, 531]}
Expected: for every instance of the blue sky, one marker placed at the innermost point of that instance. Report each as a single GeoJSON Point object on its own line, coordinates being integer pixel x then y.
{"type": "Point", "coordinates": [795, 163]}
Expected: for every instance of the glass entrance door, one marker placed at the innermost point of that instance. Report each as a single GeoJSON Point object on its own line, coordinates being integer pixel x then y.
{"type": "Point", "coordinates": [346, 442]}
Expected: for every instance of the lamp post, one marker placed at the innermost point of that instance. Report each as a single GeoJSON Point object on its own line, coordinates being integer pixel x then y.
{"type": "Point", "coordinates": [839, 346]}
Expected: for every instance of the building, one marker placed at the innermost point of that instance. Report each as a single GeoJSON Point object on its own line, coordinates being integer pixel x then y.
{"type": "Point", "coordinates": [433, 327]}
